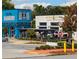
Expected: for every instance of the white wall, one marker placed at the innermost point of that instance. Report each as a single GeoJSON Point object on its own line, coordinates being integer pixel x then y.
{"type": "Point", "coordinates": [48, 19]}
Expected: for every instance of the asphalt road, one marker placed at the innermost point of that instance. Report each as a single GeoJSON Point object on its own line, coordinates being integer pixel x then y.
{"type": "Point", "coordinates": [51, 57]}
{"type": "Point", "coordinates": [13, 51]}
{"type": "Point", "coordinates": [6, 45]}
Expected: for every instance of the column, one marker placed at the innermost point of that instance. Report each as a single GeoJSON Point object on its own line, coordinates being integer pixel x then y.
{"type": "Point", "coordinates": [9, 33]}
{"type": "Point", "coordinates": [17, 33]}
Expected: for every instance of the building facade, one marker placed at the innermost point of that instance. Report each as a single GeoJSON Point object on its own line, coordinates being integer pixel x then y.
{"type": "Point", "coordinates": [16, 22]}
{"type": "Point", "coordinates": [50, 23]}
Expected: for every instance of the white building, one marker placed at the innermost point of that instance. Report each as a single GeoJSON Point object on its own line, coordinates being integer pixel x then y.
{"type": "Point", "coordinates": [49, 22]}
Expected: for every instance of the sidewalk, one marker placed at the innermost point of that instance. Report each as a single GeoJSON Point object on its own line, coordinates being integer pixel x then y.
{"type": "Point", "coordinates": [18, 42]}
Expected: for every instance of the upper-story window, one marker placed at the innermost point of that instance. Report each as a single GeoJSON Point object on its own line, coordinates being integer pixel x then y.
{"type": "Point", "coordinates": [27, 15]}
{"type": "Point", "coordinates": [43, 23]}
{"type": "Point", "coordinates": [20, 15]}
{"type": "Point", "coordinates": [24, 15]}
{"type": "Point", "coordinates": [54, 23]}
{"type": "Point", "coordinates": [54, 28]}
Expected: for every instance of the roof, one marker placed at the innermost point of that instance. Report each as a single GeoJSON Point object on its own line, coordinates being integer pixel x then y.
{"type": "Point", "coordinates": [18, 9]}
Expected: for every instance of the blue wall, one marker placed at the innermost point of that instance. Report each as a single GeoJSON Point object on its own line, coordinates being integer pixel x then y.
{"type": "Point", "coordinates": [16, 14]}
{"type": "Point", "coordinates": [17, 22]}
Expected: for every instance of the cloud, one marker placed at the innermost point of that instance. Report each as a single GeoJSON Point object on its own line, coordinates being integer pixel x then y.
{"type": "Point", "coordinates": [24, 6]}
{"type": "Point", "coordinates": [43, 4]}
{"type": "Point", "coordinates": [18, 1]}
{"type": "Point", "coordinates": [30, 6]}
{"type": "Point", "coordinates": [68, 3]}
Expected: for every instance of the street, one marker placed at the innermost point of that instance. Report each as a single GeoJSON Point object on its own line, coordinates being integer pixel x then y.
{"type": "Point", "coordinates": [14, 51]}
{"type": "Point", "coordinates": [50, 57]}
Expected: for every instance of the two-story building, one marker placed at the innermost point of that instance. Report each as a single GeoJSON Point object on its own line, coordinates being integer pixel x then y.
{"type": "Point", "coordinates": [16, 22]}
{"type": "Point", "coordinates": [49, 23]}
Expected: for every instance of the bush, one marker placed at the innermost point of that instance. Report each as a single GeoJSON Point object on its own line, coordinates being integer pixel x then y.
{"type": "Point", "coordinates": [44, 47]}
{"type": "Point", "coordinates": [75, 45]}
{"type": "Point", "coordinates": [37, 48]}
{"type": "Point", "coordinates": [32, 42]}
{"type": "Point", "coordinates": [61, 45]}
{"type": "Point", "coordinates": [22, 38]}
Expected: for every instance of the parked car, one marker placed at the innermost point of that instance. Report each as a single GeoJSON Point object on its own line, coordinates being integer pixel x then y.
{"type": "Point", "coordinates": [60, 34]}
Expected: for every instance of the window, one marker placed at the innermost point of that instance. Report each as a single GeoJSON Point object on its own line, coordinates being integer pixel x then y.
{"type": "Point", "coordinates": [54, 28]}
{"type": "Point", "coordinates": [43, 23]}
{"type": "Point", "coordinates": [42, 27]}
{"type": "Point", "coordinates": [20, 15]}
{"type": "Point", "coordinates": [27, 16]}
{"type": "Point", "coordinates": [24, 15]}
{"type": "Point", "coordinates": [55, 23]}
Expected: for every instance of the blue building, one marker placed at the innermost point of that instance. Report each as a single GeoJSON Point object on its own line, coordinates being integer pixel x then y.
{"type": "Point", "coordinates": [16, 22]}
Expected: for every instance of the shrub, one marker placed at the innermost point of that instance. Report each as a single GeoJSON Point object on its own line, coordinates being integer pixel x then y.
{"type": "Point", "coordinates": [60, 44]}
{"type": "Point", "coordinates": [44, 47]}
{"type": "Point", "coordinates": [75, 45]}
{"type": "Point", "coordinates": [22, 38]}
{"type": "Point", "coordinates": [58, 47]}
{"type": "Point", "coordinates": [32, 42]}
{"type": "Point", "coordinates": [37, 48]}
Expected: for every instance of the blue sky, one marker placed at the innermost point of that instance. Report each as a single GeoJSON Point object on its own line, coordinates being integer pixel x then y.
{"type": "Point", "coordinates": [43, 2]}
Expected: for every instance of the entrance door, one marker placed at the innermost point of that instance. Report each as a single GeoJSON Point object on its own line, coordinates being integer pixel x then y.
{"type": "Point", "coordinates": [23, 34]}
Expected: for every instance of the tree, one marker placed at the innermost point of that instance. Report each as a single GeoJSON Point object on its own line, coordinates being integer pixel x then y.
{"type": "Point", "coordinates": [33, 23]}
{"type": "Point", "coordinates": [49, 10]}
{"type": "Point", "coordinates": [39, 10]}
{"type": "Point", "coordinates": [31, 33]}
{"type": "Point", "coordinates": [70, 19]}
{"type": "Point", "coordinates": [7, 5]}
{"type": "Point", "coordinates": [5, 30]}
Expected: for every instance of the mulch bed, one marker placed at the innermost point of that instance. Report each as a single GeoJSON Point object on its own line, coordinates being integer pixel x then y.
{"type": "Point", "coordinates": [52, 51]}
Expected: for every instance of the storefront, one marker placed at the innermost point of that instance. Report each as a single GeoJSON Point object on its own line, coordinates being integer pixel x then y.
{"type": "Point", "coordinates": [16, 22]}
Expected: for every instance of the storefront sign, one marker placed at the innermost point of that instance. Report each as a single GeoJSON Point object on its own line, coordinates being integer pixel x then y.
{"type": "Point", "coordinates": [51, 43]}
{"type": "Point", "coordinates": [9, 17]}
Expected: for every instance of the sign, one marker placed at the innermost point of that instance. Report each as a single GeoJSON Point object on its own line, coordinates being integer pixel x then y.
{"type": "Point", "coordinates": [51, 43]}
{"type": "Point", "coordinates": [9, 17]}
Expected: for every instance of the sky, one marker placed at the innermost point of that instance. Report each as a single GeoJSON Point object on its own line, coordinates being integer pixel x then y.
{"type": "Point", "coordinates": [27, 3]}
